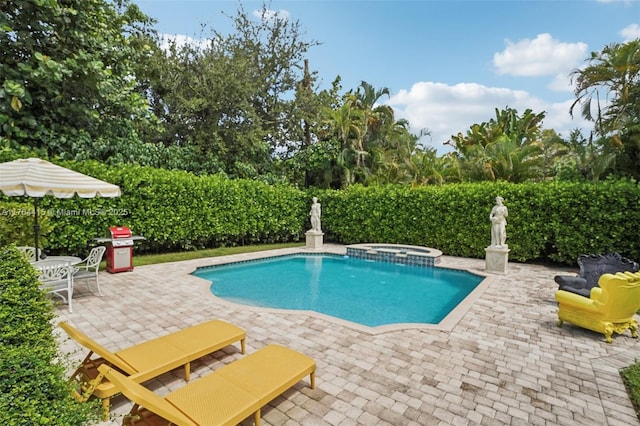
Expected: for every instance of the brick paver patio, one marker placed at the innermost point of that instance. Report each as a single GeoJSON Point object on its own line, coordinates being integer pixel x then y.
{"type": "Point", "coordinates": [504, 361]}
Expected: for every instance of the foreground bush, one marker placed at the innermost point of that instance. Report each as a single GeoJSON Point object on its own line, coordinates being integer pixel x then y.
{"type": "Point", "coordinates": [33, 387]}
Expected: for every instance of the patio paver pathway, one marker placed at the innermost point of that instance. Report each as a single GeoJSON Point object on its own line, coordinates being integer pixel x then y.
{"type": "Point", "coordinates": [504, 362]}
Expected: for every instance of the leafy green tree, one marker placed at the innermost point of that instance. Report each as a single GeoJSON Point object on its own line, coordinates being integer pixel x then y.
{"type": "Point", "coordinates": [376, 119]}
{"type": "Point", "coordinates": [554, 148]}
{"type": "Point", "coordinates": [372, 142]}
{"type": "Point", "coordinates": [321, 164]}
{"type": "Point", "coordinates": [344, 123]}
{"type": "Point", "coordinates": [586, 159]}
{"type": "Point", "coordinates": [66, 77]}
{"type": "Point", "coordinates": [232, 102]}
{"type": "Point", "coordinates": [314, 162]}
{"type": "Point", "coordinates": [608, 93]}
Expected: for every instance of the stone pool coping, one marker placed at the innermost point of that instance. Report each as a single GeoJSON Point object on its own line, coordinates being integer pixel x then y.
{"type": "Point", "coordinates": [446, 324]}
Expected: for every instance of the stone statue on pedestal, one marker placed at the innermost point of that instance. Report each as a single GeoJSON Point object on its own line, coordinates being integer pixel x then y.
{"type": "Point", "coordinates": [498, 217]}
{"type": "Point", "coordinates": [315, 235]}
{"type": "Point", "coordinates": [497, 254]}
{"type": "Point", "coordinates": [315, 214]}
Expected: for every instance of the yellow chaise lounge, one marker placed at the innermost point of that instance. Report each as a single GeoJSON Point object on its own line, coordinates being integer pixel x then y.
{"type": "Point", "coordinates": [610, 308]}
{"type": "Point", "coordinates": [225, 397]}
{"type": "Point", "coordinates": [149, 359]}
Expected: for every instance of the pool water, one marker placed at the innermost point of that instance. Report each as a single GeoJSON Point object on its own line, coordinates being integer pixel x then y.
{"type": "Point", "coordinates": [366, 292]}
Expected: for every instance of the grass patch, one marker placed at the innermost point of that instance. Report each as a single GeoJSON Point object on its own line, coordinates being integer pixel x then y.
{"type": "Point", "coordinates": [151, 259]}
{"type": "Point", "coordinates": [631, 379]}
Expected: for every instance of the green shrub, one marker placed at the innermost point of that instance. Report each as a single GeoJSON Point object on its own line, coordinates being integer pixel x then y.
{"type": "Point", "coordinates": [16, 224]}
{"type": "Point", "coordinates": [176, 210]}
{"type": "Point", "coordinates": [549, 221]}
{"type": "Point", "coordinates": [33, 388]}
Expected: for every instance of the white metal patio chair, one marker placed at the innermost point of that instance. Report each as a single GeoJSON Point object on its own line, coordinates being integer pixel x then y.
{"type": "Point", "coordinates": [30, 253]}
{"type": "Point", "coordinates": [57, 278]}
{"type": "Point", "coordinates": [89, 267]}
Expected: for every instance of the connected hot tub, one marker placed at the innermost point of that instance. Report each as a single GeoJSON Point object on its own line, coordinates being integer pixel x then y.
{"type": "Point", "coordinates": [395, 253]}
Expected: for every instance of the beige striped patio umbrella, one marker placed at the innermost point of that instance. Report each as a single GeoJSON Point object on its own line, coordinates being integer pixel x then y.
{"type": "Point", "coordinates": [37, 178]}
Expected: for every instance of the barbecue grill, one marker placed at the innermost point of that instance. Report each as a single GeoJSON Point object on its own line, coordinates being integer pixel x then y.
{"type": "Point", "coordinates": [119, 249]}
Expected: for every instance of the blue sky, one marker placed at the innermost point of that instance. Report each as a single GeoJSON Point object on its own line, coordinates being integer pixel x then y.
{"type": "Point", "coordinates": [448, 64]}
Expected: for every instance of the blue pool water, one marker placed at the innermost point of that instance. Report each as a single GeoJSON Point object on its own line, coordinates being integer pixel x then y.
{"type": "Point", "coordinates": [357, 290]}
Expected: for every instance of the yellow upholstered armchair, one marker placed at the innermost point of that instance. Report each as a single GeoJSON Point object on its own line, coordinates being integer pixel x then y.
{"type": "Point", "coordinates": [610, 307]}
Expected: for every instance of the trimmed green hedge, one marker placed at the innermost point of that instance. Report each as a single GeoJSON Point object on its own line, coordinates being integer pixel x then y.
{"type": "Point", "coordinates": [175, 210]}
{"type": "Point", "coordinates": [33, 385]}
{"type": "Point", "coordinates": [16, 224]}
{"type": "Point", "coordinates": [550, 221]}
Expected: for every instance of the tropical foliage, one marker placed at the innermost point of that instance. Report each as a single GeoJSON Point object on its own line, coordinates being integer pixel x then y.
{"type": "Point", "coordinates": [92, 80]}
{"type": "Point", "coordinates": [507, 148]}
{"type": "Point", "coordinates": [66, 85]}
{"type": "Point", "coordinates": [608, 93]}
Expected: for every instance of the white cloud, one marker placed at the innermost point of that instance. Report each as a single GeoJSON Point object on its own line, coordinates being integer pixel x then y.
{"type": "Point", "coordinates": [447, 110]}
{"type": "Point", "coordinates": [541, 56]}
{"type": "Point", "coordinates": [616, 1]}
{"type": "Point", "coordinates": [561, 83]}
{"type": "Point", "coordinates": [559, 119]}
{"type": "Point", "coordinates": [630, 32]}
{"type": "Point", "coordinates": [182, 40]}
{"type": "Point", "coordinates": [268, 14]}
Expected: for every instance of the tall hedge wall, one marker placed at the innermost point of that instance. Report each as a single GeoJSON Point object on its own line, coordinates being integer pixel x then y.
{"type": "Point", "coordinates": [551, 221]}
{"type": "Point", "coordinates": [174, 210]}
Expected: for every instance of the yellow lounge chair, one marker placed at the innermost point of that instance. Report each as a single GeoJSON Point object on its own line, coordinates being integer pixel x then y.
{"type": "Point", "coordinates": [224, 397]}
{"type": "Point", "coordinates": [151, 358]}
{"type": "Point", "coordinates": [610, 307]}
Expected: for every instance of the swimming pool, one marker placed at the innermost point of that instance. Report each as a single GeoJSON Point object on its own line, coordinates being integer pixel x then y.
{"type": "Point", "coordinates": [357, 290]}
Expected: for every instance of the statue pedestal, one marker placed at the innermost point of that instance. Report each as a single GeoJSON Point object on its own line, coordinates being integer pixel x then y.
{"type": "Point", "coordinates": [497, 258]}
{"type": "Point", "coordinates": [314, 240]}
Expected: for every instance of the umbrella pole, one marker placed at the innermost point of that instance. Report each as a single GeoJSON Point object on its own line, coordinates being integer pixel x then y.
{"type": "Point", "coordinates": [36, 227]}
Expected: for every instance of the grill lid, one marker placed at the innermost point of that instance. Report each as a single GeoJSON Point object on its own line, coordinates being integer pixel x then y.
{"type": "Point", "coordinates": [120, 232]}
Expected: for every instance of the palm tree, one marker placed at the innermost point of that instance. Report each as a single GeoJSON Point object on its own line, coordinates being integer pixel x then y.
{"type": "Point", "coordinates": [372, 118]}
{"type": "Point", "coordinates": [374, 146]}
{"type": "Point", "coordinates": [616, 71]}
{"type": "Point", "coordinates": [429, 169]}
{"type": "Point", "coordinates": [590, 158]}
{"type": "Point", "coordinates": [505, 148]}
{"type": "Point", "coordinates": [344, 123]}
{"type": "Point", "coordinates": [612, 82]}
{"type": "Point", "coordinates": [554, 150]}
{"type": "Point", "coordinates": [390, 159]}
{"type": "Point", "coordinates": [513, 163]}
